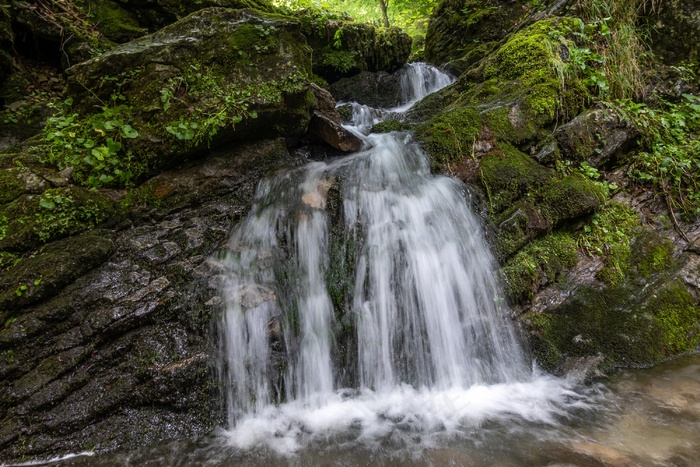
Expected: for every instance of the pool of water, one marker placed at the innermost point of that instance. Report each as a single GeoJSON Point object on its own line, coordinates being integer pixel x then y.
{"type": "Point", "coordinates": [645, 417]}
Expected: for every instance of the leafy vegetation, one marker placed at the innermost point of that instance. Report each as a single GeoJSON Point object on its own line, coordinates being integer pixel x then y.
{"type": "Point", "coordinates": [411, 16]}
{"type": "Point", "coordinates": [93, 145]}
{"type": "Point", "coordinates": [670, 161]}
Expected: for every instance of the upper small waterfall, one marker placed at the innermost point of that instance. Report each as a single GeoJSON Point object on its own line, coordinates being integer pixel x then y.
{"type": "Point", "coordinates": [364, 285]}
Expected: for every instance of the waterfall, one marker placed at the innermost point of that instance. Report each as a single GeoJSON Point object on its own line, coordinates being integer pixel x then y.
{"type": "Point", "coordinates": [360, 295]}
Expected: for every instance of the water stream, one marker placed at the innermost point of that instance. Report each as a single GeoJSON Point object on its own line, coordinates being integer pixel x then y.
{"type": "Point", "coordinates": [416, 346]}
{"type": "Point", "coordinates": [363, 326]}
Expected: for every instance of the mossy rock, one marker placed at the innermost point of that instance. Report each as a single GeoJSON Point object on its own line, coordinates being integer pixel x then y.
{"type": "Point", "coordinates": [45, 273]}
{"type": "Point", "coordinates": [114, 21]}
{"type": "Point", "coordinates": [458, 28]}
{"type": "Point", "coordinates": [390, 125]}
{"type": "Point", "coordinates": [637, 315]}
{"type": "Point", "coordinates": [31, 220]}
{"type": "Point", "coordinates": [450, 135]}
{"type": "Point", "coordinates": [597, 137]}
{"type": "Point", "coordinates": [570, 198]}
{"type": "Point", "coordinates": [544, 261]}
{"type": "Point", "coordinates": [675, 31]}
{"type": "Point", "coordinates": [215, 76]}
{"type": "Point", "coordinates": [509, 174]}
{"type": "Point", "coordinates": [156, 14]}
{"type": "Point", "coordinates": [628, 327]}
{"type": "Point", "coordinates": [343, 48]}
{"type": "Point", "coordinates": [11, 186]}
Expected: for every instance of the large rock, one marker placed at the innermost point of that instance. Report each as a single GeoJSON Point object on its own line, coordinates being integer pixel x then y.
{"type": "Point", "coordinates": [343, 48]}
{"type": "Point", "coordinates": [215, 76]}
{"type": "Point", "coordinates": [107, 346]}
{"type": "Point", "coordinates": [378, 90]}
{"type": "Point", "coordinates": [326, 124]}
{"type": "Point", "coordinates": [155, 14]}
{"type": "Point", "coordinates": [596, 136]}
{"type": "Point", "coordinates": [468, 30]}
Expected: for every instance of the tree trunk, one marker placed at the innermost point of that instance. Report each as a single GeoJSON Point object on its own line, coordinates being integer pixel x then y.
{"type": "Point", "coordinates": [383, 4]}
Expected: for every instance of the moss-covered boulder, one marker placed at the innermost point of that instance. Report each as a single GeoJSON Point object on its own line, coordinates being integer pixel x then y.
{"type": "Point", "coordinates": [633, 323]}
{"type": "Point", "coordinates": [31, 219]}
{"type": "Point", "coordinates": [154, 15]}
{"type": "Point", "coordinates": [464, 32]}
{"type": "Point", "coordinates": [343, 48]}
{"type": "Point", "coordinates": [115, 22]}
{"type": "Point", "coordinates": [215, 76]}
{"type": "Point", "coordinates": [596, 136]}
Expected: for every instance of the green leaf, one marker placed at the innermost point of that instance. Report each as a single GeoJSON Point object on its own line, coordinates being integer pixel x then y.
{"type": "Point", "coordinates": [47, 203]}
{"type": "Point", "coordinates": [129, 132]}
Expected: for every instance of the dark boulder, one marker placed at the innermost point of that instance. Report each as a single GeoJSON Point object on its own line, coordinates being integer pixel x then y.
{"type": "Point", "coordinates": [343, 48]}
{"type": "Point", "coordinates": [326, 124]}
{"type": "Point", "coordinates": [378, 90]}
{"type": "Point", "coordinates": [596, 136]}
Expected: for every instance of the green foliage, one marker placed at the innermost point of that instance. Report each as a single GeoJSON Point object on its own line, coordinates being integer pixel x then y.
{"type": "Point", "coordinates": [341, 60]}
{"type": "Point", "coordinates": [670, 161]}
{"type": "Point", "coordinates": [92, 145]}
{"type": "Point", "coordinates": [59, 213]}
{"type": "Point", "coordinates": [603, 48]}
{"type": "Point", "coordinates": [411, 16]}
{"type": "Point", "coordinates": [202, 124]}
{"type": "Point", "coordinates": [609, 233]}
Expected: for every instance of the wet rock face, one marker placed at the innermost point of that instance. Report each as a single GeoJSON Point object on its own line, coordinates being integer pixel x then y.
{"type": "Point", "coordinates": [109, 345]}
{"type": "Point", "coordinates": [379, 90]}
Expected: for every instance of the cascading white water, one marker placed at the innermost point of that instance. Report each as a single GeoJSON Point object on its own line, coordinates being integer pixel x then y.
{"type": "Point", "coordinates": [432, 350]}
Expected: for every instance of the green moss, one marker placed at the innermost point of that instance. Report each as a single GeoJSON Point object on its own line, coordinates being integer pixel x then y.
{"type": "Point", "coordinates": [11, 187]}
{"type": "Point", "coordinates": [525, 56]}
{"type": "Point", "coordinates": [509, 174]}
{"type": "Point", "coordinates": [114, 22]}
{"type": "Point", "coordinates": [677, 317]}
{"type": "Point", "coordinates": [390, 125]}
{"type": "Point", "coordinates": [609, 234]}
{"type": "Point", "coordinates": [540, 263]}
{"type": "Point", "coordinates": [630, 328]}
{"type": "Point", "coordinates": [57, 213]}
{"type": "Point", "coordinates": [570, 198]}
{"type": "Point", "coordinates": [450, 136]}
